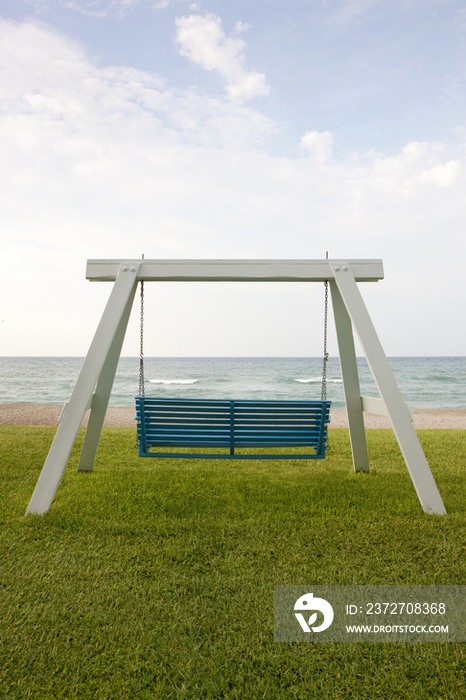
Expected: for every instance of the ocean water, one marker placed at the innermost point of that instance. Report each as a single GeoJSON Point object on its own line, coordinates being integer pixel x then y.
{"type": "Point", "coordinates": [424, 382]}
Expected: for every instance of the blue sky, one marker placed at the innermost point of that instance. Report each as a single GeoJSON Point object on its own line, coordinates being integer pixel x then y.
{"type": "Point", "coordinates": [259, 129]}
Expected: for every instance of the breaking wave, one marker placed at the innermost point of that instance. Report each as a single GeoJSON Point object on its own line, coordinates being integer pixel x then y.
{"type": "Point", "coordinates": [173, 381]}
{"type": "Point", "coordinates": [316, 380]}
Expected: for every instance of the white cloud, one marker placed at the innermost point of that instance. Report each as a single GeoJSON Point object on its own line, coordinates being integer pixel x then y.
{"type": "Point", "coordinates": [444, 175]}
{"type": "Point", "coordinates": [241, 27]}
{"type": "Point", "coordinates": [202, 40]}
{"type": "Point", "coordinates": [319, 144]}
{"type": "Point", "coordinates": [417, 164]}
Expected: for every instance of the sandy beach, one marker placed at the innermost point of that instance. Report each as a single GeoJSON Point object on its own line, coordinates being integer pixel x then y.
{"type": "Point", "coordinates": [48, 414]}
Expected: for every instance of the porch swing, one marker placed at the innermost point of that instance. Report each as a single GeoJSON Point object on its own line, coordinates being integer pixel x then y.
{"type": "Point", "coordinates": [231, 424]}
{"type": "Point", "coordinates": [255, 425]}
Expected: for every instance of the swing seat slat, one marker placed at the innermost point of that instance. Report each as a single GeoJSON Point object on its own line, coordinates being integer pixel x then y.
{"type": "Point", "coordinates": [225, 424]}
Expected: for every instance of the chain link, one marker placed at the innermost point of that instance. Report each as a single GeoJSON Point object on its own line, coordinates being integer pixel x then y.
{"type": "Point", "coordinates": [141, 352]}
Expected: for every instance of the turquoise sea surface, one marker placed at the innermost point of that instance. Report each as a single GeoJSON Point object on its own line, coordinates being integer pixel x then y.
{"type": "Point", "coordinates": [425, 382]}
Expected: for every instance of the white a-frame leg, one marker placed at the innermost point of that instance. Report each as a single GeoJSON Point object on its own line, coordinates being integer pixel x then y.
{"type": "Point", "coordinates": [345, 292]}
{"type": "Point", "coordinates": [350, 376]}
{"type": "Point", "coordinates": [97, 373]}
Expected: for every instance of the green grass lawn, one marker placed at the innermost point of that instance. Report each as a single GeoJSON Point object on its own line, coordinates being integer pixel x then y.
{"type": "Point", "coordinates": [154, 578]}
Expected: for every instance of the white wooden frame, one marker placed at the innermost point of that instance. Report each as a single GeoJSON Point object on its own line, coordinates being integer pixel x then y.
{"type": "Point", "coordinates": [95, 381]}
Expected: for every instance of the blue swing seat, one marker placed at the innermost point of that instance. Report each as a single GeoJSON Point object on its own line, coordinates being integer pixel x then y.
{"type": "Point", "coordinates": [225, 424]}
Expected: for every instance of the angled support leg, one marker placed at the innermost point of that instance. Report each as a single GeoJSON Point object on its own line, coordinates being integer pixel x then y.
{"type": "Point", "coordinates": [104, 340]}
{"type": "Point", "coordinates": [102, 395]}
{"type": "Point", "coordinates": [408, 441]}
{"type": "Point", "coordinates": [351, 388]}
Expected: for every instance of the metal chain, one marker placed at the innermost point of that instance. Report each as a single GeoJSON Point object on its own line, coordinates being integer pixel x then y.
{"type": "Point", "coordinates": [141, 352]}
{"type": "Point", "coordinates": [324, 367]}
